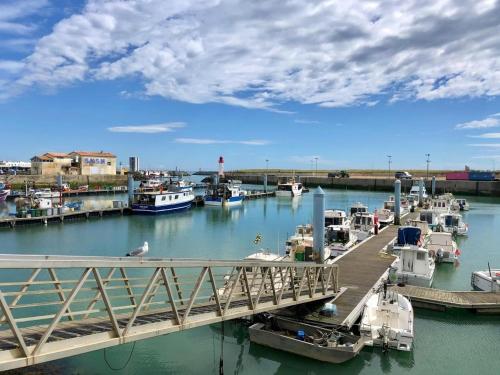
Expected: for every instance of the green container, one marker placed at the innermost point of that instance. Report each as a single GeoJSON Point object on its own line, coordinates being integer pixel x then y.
{"type": "Point", "coordinates": [299, 257]}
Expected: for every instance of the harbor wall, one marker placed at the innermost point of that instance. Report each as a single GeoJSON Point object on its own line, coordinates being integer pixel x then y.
{"type": "Point", "coordinates": [45, 181]}
{"type": "Point", "coordinates": [486, 188]}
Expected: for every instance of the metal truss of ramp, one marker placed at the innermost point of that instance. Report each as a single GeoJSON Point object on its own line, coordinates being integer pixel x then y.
{"type": "Point", "coordinates": [58, 306]}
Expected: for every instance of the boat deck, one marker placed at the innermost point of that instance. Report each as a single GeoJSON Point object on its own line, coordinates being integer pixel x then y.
{"type": "Point", "coordinates": [436, 299]}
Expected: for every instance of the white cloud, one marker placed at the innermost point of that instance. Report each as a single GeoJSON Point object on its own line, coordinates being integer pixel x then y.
{"type": "Point", "coordinates": [10, 65]}
{"type": "Point", "coordinates": [486, 157]}
{"type": "Point", "coordinates": [489, 122]}
{"type": "Point", "coordinates": [303, 121]}
{"type": "Point", "coordinates": [486, 135]}
{"type": "Point", "coordinates": [260, 54]}
{"type": "Point", "coordinates": [12, 13]}
{"type": "Point", "coordinates": [485, 145]}
{"type": "Point", "coordinates": [207, 141]}
{"type": "Point", "coordinates": [148, 129]}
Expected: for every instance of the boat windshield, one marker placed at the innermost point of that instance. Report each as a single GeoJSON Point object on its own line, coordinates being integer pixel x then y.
{"type": "Point", "coordinates": [451, 221]}
{"type": "Point", "coordinates": [285, 187]}
{"type": "Point", "coordinates": [341, 235]}
{"type": "Point", "coordinates": [333, 221]}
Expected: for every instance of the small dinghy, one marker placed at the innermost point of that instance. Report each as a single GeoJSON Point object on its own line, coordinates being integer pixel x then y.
{"type": "Point", "coordinates": [306, 340]}
{"type": "Point", "coordinates": [488, 281]}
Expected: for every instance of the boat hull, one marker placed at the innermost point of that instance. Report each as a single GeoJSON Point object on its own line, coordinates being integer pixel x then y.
{"type": "Point", "coordinates": [145, 209]}
{"type": "Point", "coordinates": [233, 201]}
{"type": "Point", "coordinates": [479, 281]}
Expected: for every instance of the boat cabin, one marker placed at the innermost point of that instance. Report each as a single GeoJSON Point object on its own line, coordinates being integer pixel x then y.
{"type": "Point", "coordinates": [358, 208]}
{"type": "Point", "coordinates": [409, 235]}
{"type": "Point", "coordinates": [429, 216]}
{"type": "Point", "coordinates": [338, 234]}
{"type": "Point", "coordinates": [335, 217]}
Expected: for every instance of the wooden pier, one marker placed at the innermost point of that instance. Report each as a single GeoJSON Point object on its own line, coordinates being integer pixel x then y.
{"type": "Point", "coordinates": [441, 300]}
{"type": "Point", "coordinates": [12, 222]}
{"type": "Point", "coordinates": [361, 270]}
{"type": "Point", "coordinates": [260, 194]}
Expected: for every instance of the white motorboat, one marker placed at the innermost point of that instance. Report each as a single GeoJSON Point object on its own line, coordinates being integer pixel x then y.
{"type": "Point", "coordinates": [385, 217]}
{"type": "Point", "coordinates": [289, 188]}
{"type": "Point", "coordinates": [336, 217]}
{"type": "Point", "coordinates": [150, 184]}
{"type": "Point", "coordinates": [414, 265]}
{"type": "Point", "coordinates": [299, 246]}
{"type": "Point", "coordinates": [363, 225]}
{"type": "Point", "coordinates": [442, 247]}
{"type": "Point", "coordinates": [423, 225]}
{"type": "Point", "coordinates": [388, 321]}
{"type": "Point", "coordinates": [46, 193]}
{"type": "Point", "coordinates": [358, 208]}
{"type": "Point", "coordinates": [156, 202]}
{"type": "Point", "coordinates": [339, 239]}
{"type": "Point", "coordinates": [431, 217]}
{"type": "Point", "coordinates": [415, 192]}
{"type": "Point", "coordinates": [453, 223]}
{"type": "Point", "coordinates": [460, 204]}
{"type": "Point", "coordinates": [441, 205]}
{"type": "Point", "coordinates": [225, 194]}
{"type": "Point", "coordinates": [488, 281]}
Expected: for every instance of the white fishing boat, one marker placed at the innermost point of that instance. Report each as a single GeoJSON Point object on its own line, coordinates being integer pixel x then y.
{"type": "Point", "coordinates": [460, 204]}
{"type": "Point", "coordinates": [224, 194]}
{"type": "Point", "coordinates": [453, 223]}
{"type": "Point", "coordinates": [336, 217]}
{"type": "Point", "coordinates": [339, 239]}
{"type": "Point", "coordinates": [363, 225]}
{"type": "Point", "coordinates": [488, 281]}
{"type": "Point", "coordinates": [289, 188]}
{"type": "Point", "coordinates": [442, 247]}
{"type": "Point", "coordinates": [387, 321]}
{"type": "Point", "coordinates": [162, 201]}
{"type": "Point", "coordinates": [414, 265]}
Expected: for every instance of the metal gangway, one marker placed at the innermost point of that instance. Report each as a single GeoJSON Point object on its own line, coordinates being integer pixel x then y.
{"type": "Point", "coordinates": [58, 306]}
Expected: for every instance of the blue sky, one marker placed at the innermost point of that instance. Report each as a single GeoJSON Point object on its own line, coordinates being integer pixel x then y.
{"type": "Point", "coordinates": [286, 82]}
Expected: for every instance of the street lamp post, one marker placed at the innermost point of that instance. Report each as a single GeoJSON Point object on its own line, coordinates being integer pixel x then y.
{"type": "Point", "coordinates": [267, 165]}
{"type": "Point", "coordinates": [428, 162]}
{"type": "Point", "coordinates": [389, 157]}
{"type": "Point", "coordinates": [316, 173]}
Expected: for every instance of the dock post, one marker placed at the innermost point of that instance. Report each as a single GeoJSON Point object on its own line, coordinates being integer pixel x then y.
{"type": "Point", "coordinates": [420, 192]}
{"type": "Point", "coordinates": [130, 188]}
{"type": "Point", "coordinates": [397, 202]}
{"type": "Point", "coordinates": [265, 183]}
{"type": "Point", "coordinates": [433, 186]}
{"type": "Point", "coordinates": [319, 225]}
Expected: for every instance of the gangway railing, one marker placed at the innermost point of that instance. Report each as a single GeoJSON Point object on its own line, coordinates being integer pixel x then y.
{"type": "Point", "coordinates": [53, 307]}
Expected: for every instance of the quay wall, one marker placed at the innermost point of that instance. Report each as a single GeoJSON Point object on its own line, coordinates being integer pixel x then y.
{"type": "Point", "coordinates": [485, 188]}
{"type": "Point", "coordinates": [18, 181]}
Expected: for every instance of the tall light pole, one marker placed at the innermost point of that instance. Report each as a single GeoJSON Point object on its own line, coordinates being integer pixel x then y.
{"type": "Point", "coordinates": [428, 162]}
{"type": "Point", "coordinates": [316, 158]}
{"type": "Point", "coordinates": [389, 157]}
{"type": "Point", "coordinates": [312, 166]}
{"type": "Point", "coordinates": [267, 165]}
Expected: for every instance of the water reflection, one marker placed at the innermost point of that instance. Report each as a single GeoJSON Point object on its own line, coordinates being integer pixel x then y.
{"type": "Point", "coordinates": [216, 215]}
{"type": "Point", "coordinates": [288, 203]}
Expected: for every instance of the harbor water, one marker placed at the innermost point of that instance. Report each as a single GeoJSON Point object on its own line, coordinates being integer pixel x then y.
{"type": "Point", "coordinates": [453, 342]}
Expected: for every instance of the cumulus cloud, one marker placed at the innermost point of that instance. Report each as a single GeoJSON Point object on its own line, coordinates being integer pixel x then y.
{"type": "Point", "coordinates": [207, 141]}
{"type": "Point", "coordinates": [148, 129]}
{"type": "Point", "coordinates": [260, 54]}
{"type": "Point", "coordinates": [489, 122]}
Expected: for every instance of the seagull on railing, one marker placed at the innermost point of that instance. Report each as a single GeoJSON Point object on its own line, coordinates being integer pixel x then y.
{"type": "Point", "coordinates": [140, 251]}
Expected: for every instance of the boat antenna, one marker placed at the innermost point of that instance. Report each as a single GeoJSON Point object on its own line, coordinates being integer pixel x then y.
{"type": "Point", "coordinates": [489, 269]}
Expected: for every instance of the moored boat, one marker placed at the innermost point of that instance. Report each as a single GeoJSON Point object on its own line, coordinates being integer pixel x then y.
{"type": "Point", "coordinates": [306, 340]}
{"type": "Point", "coordinates": [162, 201]}
{"type": "Point", "coordinates": [453, 223]}
{"type": "Point", "coordinates": [488, 281]}
{"type": "Point", "coordinates": [387, 321]}
{"type": "Point", "coordinates": [224, 194]}
{"type": "Point", "coordinates": [442, 247]}
{"type": "Point", "coordinates": [289, 188]}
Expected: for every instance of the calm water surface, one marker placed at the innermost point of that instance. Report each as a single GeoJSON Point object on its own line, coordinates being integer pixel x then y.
{"type": "Point", "coordinates": [446, 343]}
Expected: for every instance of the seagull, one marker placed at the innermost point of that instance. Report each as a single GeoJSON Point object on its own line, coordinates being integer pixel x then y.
{"type": "Point", "coordinates": [140, 251]}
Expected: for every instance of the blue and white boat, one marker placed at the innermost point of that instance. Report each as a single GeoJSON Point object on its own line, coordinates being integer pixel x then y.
{"type": "Point", "coordinates": [163, 201]}
{"type": "Point", "coordinates": [225, 194]}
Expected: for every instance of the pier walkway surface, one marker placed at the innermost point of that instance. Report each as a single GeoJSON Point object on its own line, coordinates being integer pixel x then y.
{"type": "Point", "coordinates": [361, 269]}
{"type": "Point", "coordinates": [435, 299]}
{"type": "Point", "coordinates": [53, 307]}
